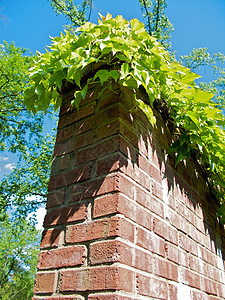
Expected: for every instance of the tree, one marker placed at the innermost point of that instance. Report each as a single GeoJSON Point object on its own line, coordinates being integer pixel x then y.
{"type": "Point", "coordinates": [17, 126]}
{"type": "Point", "coordinates": [76, 14]}
{"type": "Point", "coordinates": [25, 188]}
{"type": "Point", "coordinates": [22, 133]}
{"type": "Point", "coordinates": [157, 23]}
{"type": "Point", "coordinates": [199, 58]}
{"type": "Point", "coordinates": [22, 191]}
{"type": "Point", "coordinates": [18, 258]}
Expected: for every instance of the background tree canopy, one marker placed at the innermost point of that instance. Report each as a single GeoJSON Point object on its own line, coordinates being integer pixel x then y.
{"type": "Point", "coordinates": [25, 189]}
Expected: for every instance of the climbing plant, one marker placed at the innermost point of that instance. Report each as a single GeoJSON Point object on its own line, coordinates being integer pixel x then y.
{"type": "Point", "coordinates": [116, 50]}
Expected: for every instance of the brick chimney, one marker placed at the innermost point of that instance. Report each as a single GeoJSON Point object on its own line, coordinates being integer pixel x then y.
{"type": "Point", "coordinates": [122, 222]}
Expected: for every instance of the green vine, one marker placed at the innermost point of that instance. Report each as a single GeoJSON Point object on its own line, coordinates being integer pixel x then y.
{"type": "Point", "coordinates": [125, 53]}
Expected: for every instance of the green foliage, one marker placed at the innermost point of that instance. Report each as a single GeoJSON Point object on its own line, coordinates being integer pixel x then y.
{"type": "Point", "coordinates": [19, 249]}
{"type": "Point", "coordinates": [17, 126]}
{"type": "Point", "coordinates": [76, 14]}
{"type": "Point", "coordinates": [158, 24]}
{"type": "Point", "coordinates": [201, 57]}
{"type": "Point", "coordinates": [22, 191]}
{"type": "Point", "coordinates": [25, 188]}
{"type": "Point", "coordinates": [126, 54]}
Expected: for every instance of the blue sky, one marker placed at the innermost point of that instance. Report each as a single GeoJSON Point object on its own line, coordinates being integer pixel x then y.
{"type": "Point", "coordinates": [197, 23]}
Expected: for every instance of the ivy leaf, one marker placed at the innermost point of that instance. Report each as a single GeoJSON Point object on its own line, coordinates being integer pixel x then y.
{"type": "Point", "coordinates": [147, 110]}
{"type": "Point", "coordinates": [137, 26]}
{"type": "Point", "coordinates": [193, 116]}
{"type": "Point", "coordinates": [124, 70]}
{"type": "Point", "coordinates": [103, 75]}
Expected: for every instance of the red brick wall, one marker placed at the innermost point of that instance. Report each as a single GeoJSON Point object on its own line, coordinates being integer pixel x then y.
{"type": "Point", "coordinates": [122, 222]}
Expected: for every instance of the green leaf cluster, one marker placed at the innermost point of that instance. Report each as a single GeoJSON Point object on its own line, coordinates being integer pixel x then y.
{"type": "Point", "coordinates": [116, 50]}
{"type": "Point", "coordinates": [157, 23]}
{"type": "Point", "coordinates": [17, 125]}
{"type": "Point", "coordinates": [76, 14]}
{"type": "Point", "coordinates": [215, 63]}
{"type": "Point", "coordinates": [19, 248]}
{"type": "Point", "coordinates": [25, 188]}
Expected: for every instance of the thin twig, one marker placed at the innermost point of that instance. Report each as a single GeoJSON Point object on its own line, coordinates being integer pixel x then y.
{"type": "Point", "coordinates": [148, 16]}
{"type": "Point", "coordinates": [157, 16]}
{"type": "Point", "coordinates": [66, 13]}
{"type": "Point", "coordinates": [90, 10]}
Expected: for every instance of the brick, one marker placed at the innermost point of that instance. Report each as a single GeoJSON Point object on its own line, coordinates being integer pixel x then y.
{"type": "Point", "coordinates": [101, 186]}
{"type": "Point", "coordinates": [195, 263]}
{"type": "Point", "coordinates": [207, 256]}
{"type": "Point", "coordinates": [107, 296]}
{"type": "Point", "coordinates": [195, 295]}
{"type": "Point", "coordinates": [117, 203]}
{"type": "Point", "coordinates": [51, 238]}
{"type": "Point", "coordinates": [45, 282]}
{"type": "Point", "coordinates": [144, 198]}
{"type": "Point", "coordinates": [166, 269]}
{"type": "Point", "coordinates": [183, 258]}
{"type": "Point", "coordinates": [143, 218]}
{"type": "Point", "coordinates": [64, 148]}
{"type": "Point", "coordinates": [150, 169]}
{"type": "Point", "coordinates": [114, 203]}
{"type": "Point", "coordinates": [187, 244]}
{"type": "Point", "coordinates": [164, 230]}
{"type": "Point", "coordinates": [98, 150]}
{"type": "Point", "coordinates": [74, 116]}
{"type": "Point", "coordinates": [157, 190]}
{"type": "Point", "coordinates": [151, 287]}
{"type": "Point", "coordinates": [64, 257]}
{"type": "Point", "coordinates": [62, 163]}
{"type": "Point", "coordinates": [143, 261]}
{"type": "Point", "coordinates": [116, 251]}
{"type": "Point", "coordinates": [56, 198]}
{"type": "Point", "coordinates": [78, 174]}
{"type": "Point", "coordinates": [178, 222]}
{"type": "Point", "coordinates": [110, 164]}
{"type": "Point", "coordinates": [64, 134]}
{"type": "Point", "coordinates": [191, 278]}
{"type": "Point", "coordinates": [111, 251]}
{"type": "Point", "coordinates": [151, 242]}
{"type": "Point", "coordinates": [173, 292]}
{"type": "Point", "coordinates": [84, 140]}
{"type": "Point", "coordinates": [74, 297]}
{"type": "Point", "coordinates": [98, 229]}
{"type": "Point", "coordinates": [211, 272]}
{"type": "Point", "coordinates": [97, 278]}
{"type": "Point", "coordinates": [65, 215]}
{"type": "Point", "coordinates": [117, 127]}
{"type": "Point", "coordinates": [172, 253]}
{"type": "Point", "coordinates": [209, 286]}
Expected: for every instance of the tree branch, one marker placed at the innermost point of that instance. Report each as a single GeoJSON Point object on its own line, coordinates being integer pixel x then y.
{"type": "Point", "coordinates": [66, 13]}
{"type": "Point", "coordinates": [157, 16]}
{"type": "Point", "coordinates": [2, 281]}
{"type": "Point", "coordinates": [90, 10]}
{"type": "Point", "coordinates": [148, 17]}
{"type": "Point", "coordinates": [10, 120]}
{"type": "Point", "coordinates": [12, 95]}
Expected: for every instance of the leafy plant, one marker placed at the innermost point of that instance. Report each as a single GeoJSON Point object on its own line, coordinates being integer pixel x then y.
{"type": "Point", "coordinates": [17, 126]}
{"type": "Point", "coordinates": [127, 54]}
{"type": "Point", "coordinates": [19, 249]}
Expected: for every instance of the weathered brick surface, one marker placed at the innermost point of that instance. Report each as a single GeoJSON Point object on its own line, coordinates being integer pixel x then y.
{"type": "Point", "coordinates": [62, 257]}
{"type": "Point", "coordinates": [45, 282]}
{"type": "Point", "coordinates": [122, 222]}
{"type": "Point", "coordinates": [99, 278]}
